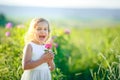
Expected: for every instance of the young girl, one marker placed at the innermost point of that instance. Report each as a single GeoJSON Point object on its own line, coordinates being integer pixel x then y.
{"type": "Point", "coordinates": [36, 63]}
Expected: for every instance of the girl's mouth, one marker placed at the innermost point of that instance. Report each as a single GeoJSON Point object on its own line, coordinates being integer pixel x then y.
{"type": "Point", "coordinates": [42, 38]}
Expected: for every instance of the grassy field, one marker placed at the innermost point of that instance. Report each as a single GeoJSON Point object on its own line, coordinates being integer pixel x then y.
{"type": "Point", "coordinates": [81, 53]}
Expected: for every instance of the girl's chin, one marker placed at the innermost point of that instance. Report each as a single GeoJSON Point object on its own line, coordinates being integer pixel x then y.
{"type": "Point", "coordinates": [42, 40]}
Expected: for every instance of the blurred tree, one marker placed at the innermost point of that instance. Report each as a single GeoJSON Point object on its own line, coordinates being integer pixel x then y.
{"type": "Point", "coordinates": [3, 19]}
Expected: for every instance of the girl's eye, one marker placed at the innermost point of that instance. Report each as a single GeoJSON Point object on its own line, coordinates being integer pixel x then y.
{"type": "Point", "coordinates": [38, 29]}
{"type": "Point", "coordinates": [45, 29]}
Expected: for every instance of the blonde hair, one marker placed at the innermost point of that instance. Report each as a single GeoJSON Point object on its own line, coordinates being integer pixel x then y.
{"type": "Point", "coordinates": [29, 36]}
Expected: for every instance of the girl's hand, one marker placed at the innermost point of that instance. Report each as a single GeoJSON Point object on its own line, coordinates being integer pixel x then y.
{"type": "Point", "coordinates": [47, 57]}
{"type": "Point", "coordinates": [50, 52]}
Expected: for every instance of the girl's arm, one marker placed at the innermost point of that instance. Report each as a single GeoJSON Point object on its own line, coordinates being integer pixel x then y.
{"type": "Point", "coordinates": [27, 63]}
{"type": "Point", "coordinates": [51, 63]}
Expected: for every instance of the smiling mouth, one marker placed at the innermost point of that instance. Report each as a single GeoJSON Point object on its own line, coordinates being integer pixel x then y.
{"type": "Point", "coordinates": [42, 37]}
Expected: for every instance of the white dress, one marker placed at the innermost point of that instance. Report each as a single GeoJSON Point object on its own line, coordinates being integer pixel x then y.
{"type": "Point", "coordinates": [41, 72]}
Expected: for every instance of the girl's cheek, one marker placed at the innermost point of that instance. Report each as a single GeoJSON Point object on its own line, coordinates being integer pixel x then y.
{"type": "Point", "coordinates": [38, 32]}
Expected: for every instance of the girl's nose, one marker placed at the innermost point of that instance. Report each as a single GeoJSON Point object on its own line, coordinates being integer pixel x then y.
{"type": "Point", "coordinates": [42, 31]}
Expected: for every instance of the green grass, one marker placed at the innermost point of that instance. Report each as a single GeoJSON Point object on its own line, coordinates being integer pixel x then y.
{"type": "Point", "coordinates": [84, 54]}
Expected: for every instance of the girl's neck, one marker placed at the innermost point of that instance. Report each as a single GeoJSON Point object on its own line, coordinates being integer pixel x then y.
{"type": "Point", "coordinates": [37, 42]}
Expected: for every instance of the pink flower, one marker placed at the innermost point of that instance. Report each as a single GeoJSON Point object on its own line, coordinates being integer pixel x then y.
{"type": "Point", "coordinates": [7, 34]}
{"type": "Point", "coordinates": [48, 46]}
{"type": "Point", "coordinates": [67, 31]}
{"type": "Point", "coordinates": [9, 25]}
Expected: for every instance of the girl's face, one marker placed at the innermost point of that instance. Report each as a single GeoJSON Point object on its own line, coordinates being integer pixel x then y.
{"type": "Point", "coordinates": [41, 32]}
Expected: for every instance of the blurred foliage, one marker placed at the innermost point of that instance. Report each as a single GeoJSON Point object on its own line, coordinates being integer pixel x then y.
{"type": "Point", "coordinates": [80, 54]}
{"type": "Point", "coordinates": [80, 51]}
{"type": "Point", "coordinates": [3, 19]}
